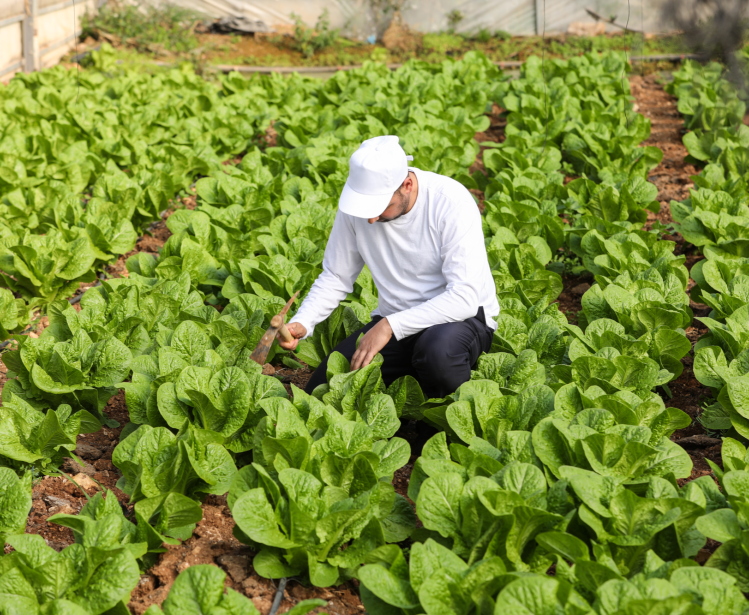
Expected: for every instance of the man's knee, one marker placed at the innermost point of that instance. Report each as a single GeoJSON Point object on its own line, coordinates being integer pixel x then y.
{"type": "Point", "coordinates": [443, 357]}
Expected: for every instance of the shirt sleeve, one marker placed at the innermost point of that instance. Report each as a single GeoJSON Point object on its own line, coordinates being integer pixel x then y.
{"type": "Point", "coordinates": [464, 265]}
{"type": "Point", "coordinates": [341, 265]}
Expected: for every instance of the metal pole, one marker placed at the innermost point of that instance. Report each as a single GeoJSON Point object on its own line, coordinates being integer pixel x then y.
{"type": "Point", "coordinates": [29, 62]}
{"type": "Point", "coordinates": [539, 17]}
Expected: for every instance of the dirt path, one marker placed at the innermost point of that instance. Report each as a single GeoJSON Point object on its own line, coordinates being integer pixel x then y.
{"type": "Point", "coordinates": [673, 179]}
{"type": "Point", "coordinates": [672, 175]}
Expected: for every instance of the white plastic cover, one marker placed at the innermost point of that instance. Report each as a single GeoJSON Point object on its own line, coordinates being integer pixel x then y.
{"type": "Point", "coordinates": [357, 18]}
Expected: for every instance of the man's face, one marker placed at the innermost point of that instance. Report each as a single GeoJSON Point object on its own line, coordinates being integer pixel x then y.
{"type": "Point", "coordinates": [397, 206]}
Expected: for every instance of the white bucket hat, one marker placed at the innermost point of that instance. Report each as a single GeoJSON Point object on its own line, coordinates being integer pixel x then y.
{"type": "Point", "coordinates": [376, 171]}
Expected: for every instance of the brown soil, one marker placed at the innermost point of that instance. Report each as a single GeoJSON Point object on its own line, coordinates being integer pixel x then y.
{"type": "Point", "coordinates": [51, 496]}
{"type": "Point", "coordinates": [570, 300]}
{"type": "Point", "coordinates": [672, 175]}
{"type": "Point", "coordinates": [152, 243]}
{"type": "Point", "coordinates": [298, 377]}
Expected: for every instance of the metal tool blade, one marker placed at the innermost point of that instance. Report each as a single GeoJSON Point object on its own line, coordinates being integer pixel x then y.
{"type": "Point", "coordinates": [286, 307]}
{"type": "Point", "coordinates": [260, 354]}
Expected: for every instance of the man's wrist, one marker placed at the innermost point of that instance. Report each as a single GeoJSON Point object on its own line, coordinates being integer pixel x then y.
{"type": "Point", "coordinates": [393, 325]}
{"type": "Point", "coordinates": [386, 323]}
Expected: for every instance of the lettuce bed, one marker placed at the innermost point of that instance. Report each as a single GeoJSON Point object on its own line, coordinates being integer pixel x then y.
{"type": "Point", "coordinates": [552, 484]}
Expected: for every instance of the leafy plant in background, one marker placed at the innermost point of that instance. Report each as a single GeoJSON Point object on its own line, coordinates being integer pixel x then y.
{"type": "Point", "coordinates": [309, 41]}
{"type": "Point", "coordinates": [707, 100]}
{"type": "Point", "coordinates": [166, 27]}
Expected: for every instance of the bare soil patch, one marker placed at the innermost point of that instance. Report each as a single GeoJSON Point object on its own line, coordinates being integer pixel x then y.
{"type": "Point", "coordinates": [570, 300]}
{"type": "Point", "coordinates": [150, 243]}
{"type": "Point", "coordinates": [672, 176]}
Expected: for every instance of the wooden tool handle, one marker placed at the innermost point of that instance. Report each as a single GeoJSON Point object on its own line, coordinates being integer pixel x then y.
{"type": "Point", "coordinates": [285, 334]}
{"type": "Point", "coordinates": [277, 323]}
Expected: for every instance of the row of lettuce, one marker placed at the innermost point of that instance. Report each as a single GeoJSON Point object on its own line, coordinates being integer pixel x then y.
{"type": "Point", "coordinates": [555, 456]}
{"type": "Point", "coordinates": [715, 219]}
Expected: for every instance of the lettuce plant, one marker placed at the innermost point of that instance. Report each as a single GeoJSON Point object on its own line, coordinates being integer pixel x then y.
{"type": "Point", "coordinates": [594, 440]}
{"type": "Point", "coordinates": [435, 581]}
{"type": "Point", "coordinates": [78, 372]}
{"type": "Point", "coordinates": [41, 439]}
{"type": "Point", "coordinates": [14, 314]}
{"type": "Point", "coordinates": [200, 589]}
{"type": "Point", "coordinates": [523, 220]}
{"type": "Point", "coordinates": [726, 147]}
{"type": "Point", "coordinates": [642, 304]}
{"type": "Point", "coordinates": [484, 516]}
{"type": "Point", "coordinates": [102, 524]}
{"type": "Point", "coordinates": [511, 373]}
{"type": "Point", "coordinates": [319, 495]}
{"type": "Point", "coordinates": [42, 268]}
{"type": "Point", "coordinates": [604, 337]}
{"type": "Point", "coordinates": [707, 100]}
{"type": "Point", "coordinates": [540, 328]}
{"type": "Point", "coordinates": [15, 502]}
{"type": "Point", "coordinates": [203, 373]}
{"type": "Point", "coordinates": [728, 377]}
{"type": "Point", "coordinates": [627, 525]}
{"type": "Point", "coordinates": [714, 219]}
{"type": "Point", "coordinates": [730, 526]}
{"type": "Point", "coordinates": [500, 418]}
{"type": "Point", "coordinates": [80, 579]}
{"type": "Point", "coordinates": [621, 205]}
{"type": "Point", "coordinates": [722, 284]}
{"type": "Point", "coordinates": [163, 474]}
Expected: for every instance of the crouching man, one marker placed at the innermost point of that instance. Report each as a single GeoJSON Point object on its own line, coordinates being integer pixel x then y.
{"type": "Point", "coordinates": [420, 235]}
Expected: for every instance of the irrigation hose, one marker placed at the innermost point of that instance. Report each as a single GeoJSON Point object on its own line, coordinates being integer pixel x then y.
{"type": "Point", "coordinates": [278, 597]}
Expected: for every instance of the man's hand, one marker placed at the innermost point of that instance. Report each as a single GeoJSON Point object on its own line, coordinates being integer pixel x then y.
{"type": "Point", "coordinates": [297, 330]}
{"type": "Point", "coordinates": [372, 342]}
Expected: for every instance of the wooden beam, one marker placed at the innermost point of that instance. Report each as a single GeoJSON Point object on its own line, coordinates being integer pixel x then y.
{"type": "Point", "coordinates": [11, 20]}
{"type": "Point", "coordinates": [29, 63]}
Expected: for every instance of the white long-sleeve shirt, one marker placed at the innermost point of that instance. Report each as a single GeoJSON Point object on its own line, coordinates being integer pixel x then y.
{"type": "Point", "coordinates": [430, 265]}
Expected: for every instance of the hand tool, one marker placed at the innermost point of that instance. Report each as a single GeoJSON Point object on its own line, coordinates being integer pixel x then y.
{"type": "Point", "coordinates": [277, 325]}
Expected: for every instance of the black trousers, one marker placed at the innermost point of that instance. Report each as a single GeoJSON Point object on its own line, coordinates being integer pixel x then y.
{"type": "Point", "coordinates": [440, 357]}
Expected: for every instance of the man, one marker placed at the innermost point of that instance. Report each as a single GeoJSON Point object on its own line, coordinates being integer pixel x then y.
{"type": "Point", "coordinates": [420, 235]}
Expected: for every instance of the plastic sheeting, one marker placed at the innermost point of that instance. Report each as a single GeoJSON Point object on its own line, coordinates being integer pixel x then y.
{"type": "Point", "coordinates": [359, 19]}
{"type": "Point", "coordinates": [54, 29]}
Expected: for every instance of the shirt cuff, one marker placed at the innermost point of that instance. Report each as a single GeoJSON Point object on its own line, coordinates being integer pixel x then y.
{"type": "Point", "coordinates": [396, 325]}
